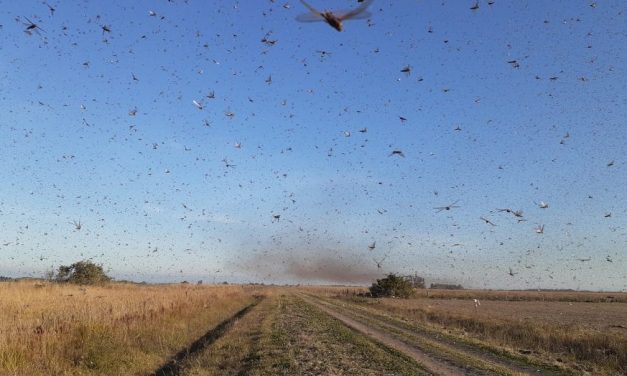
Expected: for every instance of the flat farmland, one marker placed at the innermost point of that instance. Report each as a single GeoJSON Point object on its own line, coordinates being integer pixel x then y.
{"type": "Point", "coordinates": [583, 332]}
{"type": "Point", "coordinates": [182, 329]}
{"type": "Point", "coordinates": [582, 315]}
{"type": "Point", "coordinates": [593, 316]}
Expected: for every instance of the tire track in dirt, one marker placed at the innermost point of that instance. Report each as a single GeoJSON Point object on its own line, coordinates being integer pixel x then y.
{"type": "Point", "coordinates": [439, 348]}
{"type": "Point", "coordinates": [510, 365]}
{"type": "Point", "coordinates": [436, 366]}
{"type": "Point", "coordinates": [175, 365]}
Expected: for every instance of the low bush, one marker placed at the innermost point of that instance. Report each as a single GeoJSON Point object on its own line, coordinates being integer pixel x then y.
{"type": "Point", "coordinates": [392, 286]}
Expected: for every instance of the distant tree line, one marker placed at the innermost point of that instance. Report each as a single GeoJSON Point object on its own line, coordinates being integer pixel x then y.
{"type": "Point", "coordinates": [446, 286]}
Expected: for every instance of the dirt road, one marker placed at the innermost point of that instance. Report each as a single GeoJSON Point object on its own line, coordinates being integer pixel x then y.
{"type": "Point", "coordinates": [298, 334]}
{"type": "Point", "coordinates": [436, 366]}
{"type": "Point", "coordinates": [436, 352]}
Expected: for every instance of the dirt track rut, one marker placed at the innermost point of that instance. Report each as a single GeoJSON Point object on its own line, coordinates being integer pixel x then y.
{"type": "Point", "coordinates": [389, 340]}
{"type": "Point", "coordinates": [175, 365]}
{"type": "Point", "coordinates": [440, 355]}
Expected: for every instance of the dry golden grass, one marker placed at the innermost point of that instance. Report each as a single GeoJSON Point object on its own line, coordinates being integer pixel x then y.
{"type": "Point", "coordinates": [585, 336]}
{"type": "Point", "coordinates": [52, 329]}
{"type": "Point", "coordinates": [328, 291]}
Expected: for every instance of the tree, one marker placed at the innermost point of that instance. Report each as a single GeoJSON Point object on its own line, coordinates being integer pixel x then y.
{"type": "Point", "coordinates": [82, 273]}
{"type": "Point", "coordinates": [392, 286]}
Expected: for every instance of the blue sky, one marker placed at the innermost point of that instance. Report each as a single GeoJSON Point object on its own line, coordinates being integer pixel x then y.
{"type": "Point", "coordinates": [506, 106]}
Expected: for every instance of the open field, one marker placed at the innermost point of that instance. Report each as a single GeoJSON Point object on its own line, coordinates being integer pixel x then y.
{"type": "Point", "coordinates": [119, 329]}
{"type": "Point", "coordinates": [125, 329]}
{"type": "Point", "coordinates": [570, 332]}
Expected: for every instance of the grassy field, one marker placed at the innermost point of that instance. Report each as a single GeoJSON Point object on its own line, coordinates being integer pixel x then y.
{"type": "Point", "coordinates": [119, 329]}
{"type": "Point", "coordinates": [127, 329]}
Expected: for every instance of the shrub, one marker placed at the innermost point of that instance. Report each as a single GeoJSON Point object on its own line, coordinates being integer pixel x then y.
{"type": "Point", "coordinates": [392, 286]}
{"type": "Point", "coordinates": [82, 273]}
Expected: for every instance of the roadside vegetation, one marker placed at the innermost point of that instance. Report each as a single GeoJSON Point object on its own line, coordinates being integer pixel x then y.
{"type": "Point", "coordinates": [393, 286]}
{"type": "Point", "coordinates": [116, 329]}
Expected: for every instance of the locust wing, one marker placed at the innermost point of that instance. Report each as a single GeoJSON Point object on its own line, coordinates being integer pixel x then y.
{"type": "Point", "coordinates": [312, 16]}
{"type": "Point", "coordinates": [358, 13]}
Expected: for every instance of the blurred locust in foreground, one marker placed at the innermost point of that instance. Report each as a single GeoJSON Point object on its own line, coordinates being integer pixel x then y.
{"type": "Point", "coordinates": [335, 19]}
